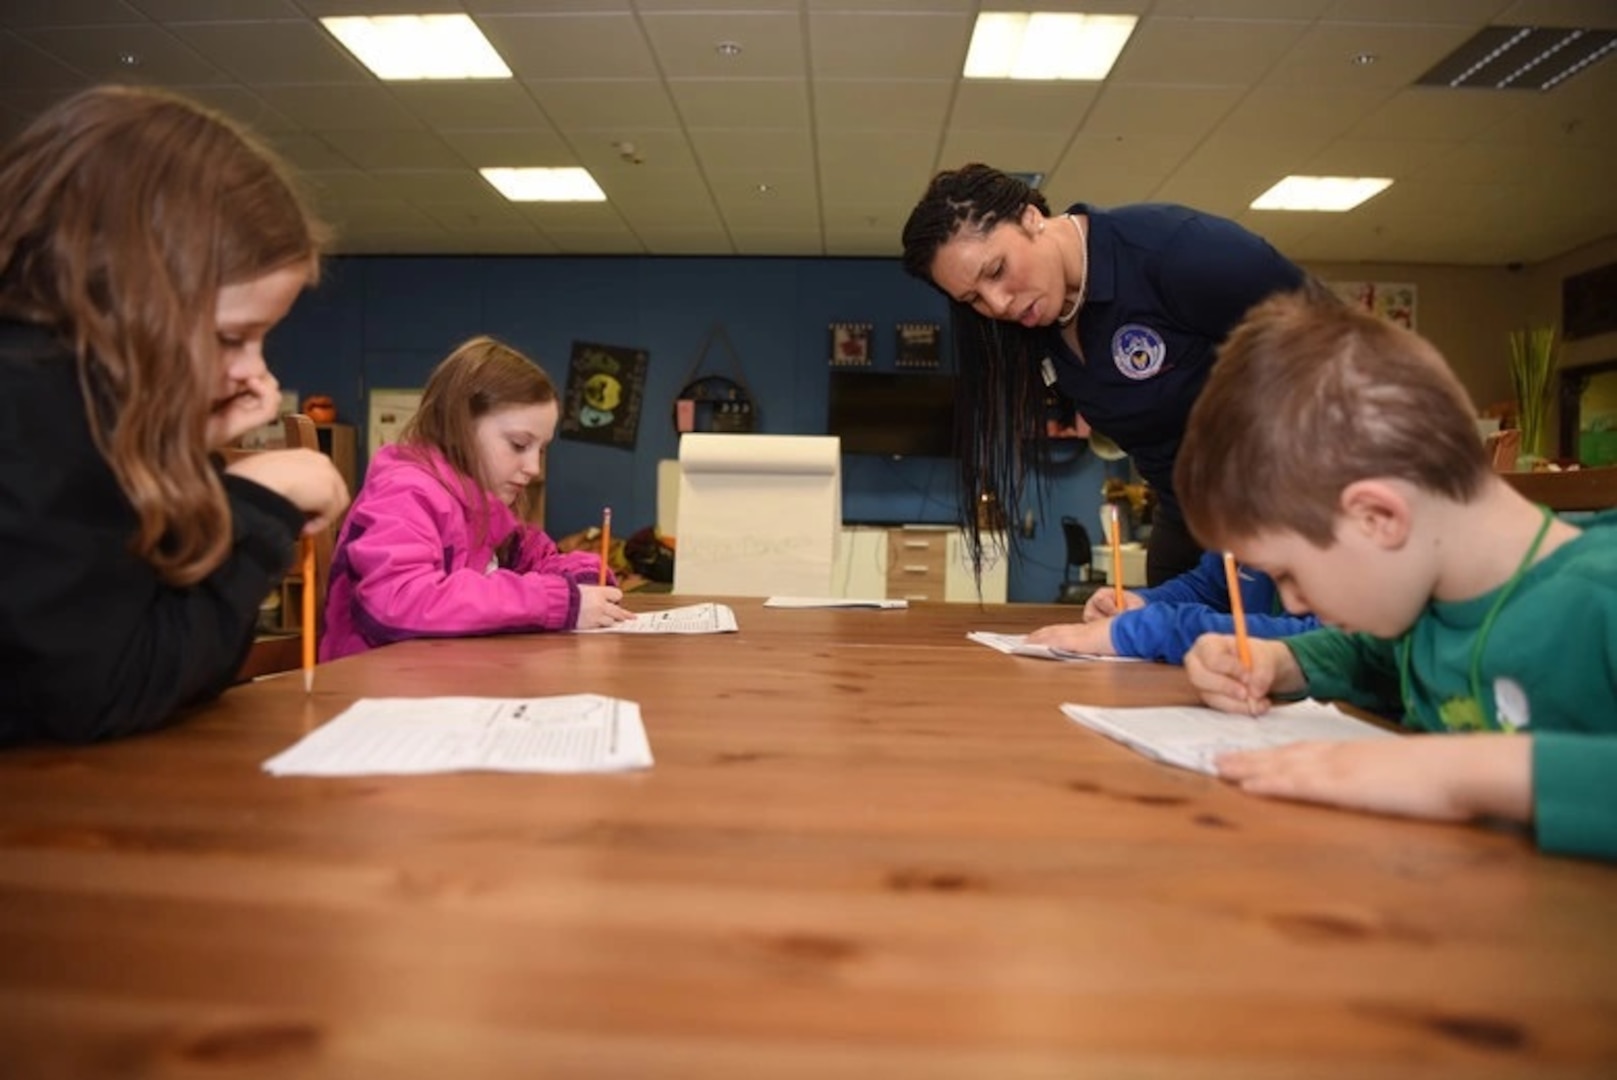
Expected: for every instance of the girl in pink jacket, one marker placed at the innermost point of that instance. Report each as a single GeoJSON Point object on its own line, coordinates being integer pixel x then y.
{"type": "Point", "coordinates": [435, 544]}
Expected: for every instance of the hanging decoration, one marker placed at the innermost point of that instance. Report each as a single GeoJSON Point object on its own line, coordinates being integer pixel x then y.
{"type": "Point", "coordinates": [605, 384]}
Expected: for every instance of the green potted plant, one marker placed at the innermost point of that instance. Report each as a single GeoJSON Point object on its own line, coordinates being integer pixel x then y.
{"type": "Point", "coordinates": [1532, 369]}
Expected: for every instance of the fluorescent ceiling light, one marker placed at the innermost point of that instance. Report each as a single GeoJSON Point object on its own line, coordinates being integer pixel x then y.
{"type": "Point", "coordinates": [545, 185]}
{"type": "Point", "coordinates": [399, 47]}
{"type": "Point", "coordinates": [1046, 45]}
{"type": "Point", "coordinates": [1333, 193]}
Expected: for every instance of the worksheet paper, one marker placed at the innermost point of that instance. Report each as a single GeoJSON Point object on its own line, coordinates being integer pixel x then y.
{"type": "Point", "coordinates": [573, 733]}
{"type": "Point", "coordinates": [834, 602]}
{"type": "Point", "coordinates": [1017, 645]}
{"type": "Point", "coordinates": [1191, 736]}
{"type": "Point", "coordinates": [692, 619]}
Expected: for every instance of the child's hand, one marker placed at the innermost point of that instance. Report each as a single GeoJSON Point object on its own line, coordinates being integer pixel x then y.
{"type": "Point", "coordinates": [256, 402]}
{"type": "Point", "coordinates": [1214, 667]}
{"type": "Point", "coordinates": [1084, 637]}
{"type": "Point", "coordinates": [598, 607]}
{"type": "Point", "coordinates": [1103, 604]}
{"type": "Point", "coordinates": [1442, 777]}
{"type": "Point", "coordinates": [305, 478]}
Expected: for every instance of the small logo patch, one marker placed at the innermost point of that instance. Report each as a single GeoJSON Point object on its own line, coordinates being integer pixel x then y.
{"type": "Point", "coordinates": [1138, 351]}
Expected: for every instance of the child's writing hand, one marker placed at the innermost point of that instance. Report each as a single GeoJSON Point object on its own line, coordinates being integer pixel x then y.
{"type": "Point", "coordinates": [1103, 605]}
{"type": "Point", "coordinates": [1215, 670]}
{"type": "Point", "coordinates": [598, 607]}
{"type": "Point", "coordinates": [305, 478]}
{"type": "Point", "coordinates": [1085, 637]}
{"type": "Point", "coordinates": [1443, 777]}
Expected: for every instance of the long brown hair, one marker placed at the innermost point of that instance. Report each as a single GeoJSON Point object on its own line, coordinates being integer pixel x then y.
{"type": "Point", "coordinates": [999, 421]}
{"type": "Point", "coordinates": [478, 377]}
{"type": "Point", "coordinates": [1308, 396]}
{"type": "Point", "coordinates": [125, 211]}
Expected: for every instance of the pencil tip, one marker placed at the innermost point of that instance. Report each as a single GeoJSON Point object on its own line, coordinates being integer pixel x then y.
{"type": "Point", "coordinates": [308, 682]}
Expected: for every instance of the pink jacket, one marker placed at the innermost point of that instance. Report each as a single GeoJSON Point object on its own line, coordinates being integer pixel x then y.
{"type": "Point", "coordinates": [408, 563]}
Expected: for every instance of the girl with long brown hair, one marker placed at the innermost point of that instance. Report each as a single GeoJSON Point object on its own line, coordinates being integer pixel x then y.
{"type": "Point", "coordinates": [147, 247]}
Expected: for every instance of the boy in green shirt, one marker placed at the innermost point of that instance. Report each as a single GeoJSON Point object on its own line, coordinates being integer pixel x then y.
{"type": "Point", "coordinates": [1336, 452]}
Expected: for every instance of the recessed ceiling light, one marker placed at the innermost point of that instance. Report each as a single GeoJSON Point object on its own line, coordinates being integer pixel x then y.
{"type": "Point", "coordinates": [1365, 59]}
{"type": "Point", "coordinates": [129, 59]}
{"type": "Point", "coordinates": [401, 47]}
{"type": "Point", "coordinates": [728, 49]}
{"type": "Point", "coordinates": [1328, 193]}
{"type": "Point", "coordinates": [1046, 45]}
{"type": "Point", "coordinates": [545, 185]}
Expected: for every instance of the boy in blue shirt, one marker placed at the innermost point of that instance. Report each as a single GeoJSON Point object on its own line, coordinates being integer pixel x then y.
{"type": "Point", "coordinates": [1163, 622]}
{"type": "Point", "coordinates": [1337, 452]}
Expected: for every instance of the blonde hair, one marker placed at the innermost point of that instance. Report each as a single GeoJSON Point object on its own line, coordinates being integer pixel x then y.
{"type": "Point", "coordinates": [126, 211]}
{"type": "Point", "coordinates": [478, 377]}
{"type": "Point", "coordinates": [1308, 396]}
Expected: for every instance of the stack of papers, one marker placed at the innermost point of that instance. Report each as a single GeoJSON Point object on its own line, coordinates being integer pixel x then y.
{"type": "Point", "coordinates": [573, 733]}
{"type": "Point", "coordinates": [691, 619]}
{"type": "Point", "coordinates": [1017, 645]}
{"type": "Point", "coordinates": [1191, 737]}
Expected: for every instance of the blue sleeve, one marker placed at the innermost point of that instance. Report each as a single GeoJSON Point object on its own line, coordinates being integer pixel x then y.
{"type": "Point", "coordinates": [1204, 584]}
{"type": "Point", "coordinates": [1214, 270]}
{"type": "Point", "coordinates": [1167, 631]}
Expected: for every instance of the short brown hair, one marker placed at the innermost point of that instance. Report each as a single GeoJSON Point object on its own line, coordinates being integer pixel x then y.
{"type": "Point", "coordinates": [1309, 395]}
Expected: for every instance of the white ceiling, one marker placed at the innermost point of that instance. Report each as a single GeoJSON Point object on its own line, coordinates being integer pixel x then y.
{"type": "Point", "coordinates": [844, 110]}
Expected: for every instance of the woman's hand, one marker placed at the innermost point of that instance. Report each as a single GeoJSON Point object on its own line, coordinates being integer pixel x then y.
{"type": "Point", "coordinates": [598, 607]}
{"type": "Point", "coordinates": [1442, 777]}
{"type": "Point", "coordinates": [305, 478]}
{"type": "Point", "coordinates": [1103, 604]}
{"type": "Point", "coordinates": [1094, 638]}
{"type": "Point", "coordinates": [1215, 670]}
{"type": "Point", "coordinates": [255, 403]}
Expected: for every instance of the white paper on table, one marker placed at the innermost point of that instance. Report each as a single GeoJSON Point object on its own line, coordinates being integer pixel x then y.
{"type": "Point", "coordinates": [1191, 736]}
{"type": "Point", "coordinates": [707, 618]}
{"type": "Point", "coordinates": [834, 602]}
{"type": "Point", "coordinates": [1018, 645]}
{"type": "Point", "coordinates": [573, 733]}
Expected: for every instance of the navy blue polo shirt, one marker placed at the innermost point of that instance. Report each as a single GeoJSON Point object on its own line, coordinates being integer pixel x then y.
{"type": "Point", "coordinates": [1166, 285]}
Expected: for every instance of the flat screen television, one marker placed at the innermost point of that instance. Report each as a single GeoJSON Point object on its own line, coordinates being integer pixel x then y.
{"type": "Point", "coordinates": [905, 414]}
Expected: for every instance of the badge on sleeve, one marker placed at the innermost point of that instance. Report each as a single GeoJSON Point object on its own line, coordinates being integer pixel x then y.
{"type": "Point", "coordinates": [1138, 351]}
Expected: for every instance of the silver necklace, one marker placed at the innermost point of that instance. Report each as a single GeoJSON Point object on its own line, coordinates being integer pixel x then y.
{"type": "Point", "coordinates": [1076, 300]}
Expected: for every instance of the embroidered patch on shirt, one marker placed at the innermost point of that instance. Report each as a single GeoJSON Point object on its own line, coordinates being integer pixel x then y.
{"type": "Point", "coordinates": [1138, 351]}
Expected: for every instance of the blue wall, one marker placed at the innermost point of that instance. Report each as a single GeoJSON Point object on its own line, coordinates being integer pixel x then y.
{"type": "Point", "coordinates": [380, 322]}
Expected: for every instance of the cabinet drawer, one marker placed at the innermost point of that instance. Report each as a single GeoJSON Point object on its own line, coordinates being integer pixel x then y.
{"type": "Point", "coordinates": [913, 552]}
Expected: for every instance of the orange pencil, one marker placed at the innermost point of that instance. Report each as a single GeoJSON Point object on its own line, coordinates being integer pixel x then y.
{"type": "Point", "coordinates": [1114, 529]}
{"type": "Point", "coordinates": [1242, 645]}
{"type": "Point", "coordinates": [606, 540]}
{"type": "Point", "coordinates": [308, 614]}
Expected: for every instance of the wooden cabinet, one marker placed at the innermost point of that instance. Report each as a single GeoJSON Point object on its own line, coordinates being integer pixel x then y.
{"type": "Point", "coordinates": [338, 442]}
{"type": "Point", "coordinates": [916, 562]}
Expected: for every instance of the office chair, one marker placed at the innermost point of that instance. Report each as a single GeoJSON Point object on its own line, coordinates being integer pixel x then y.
{"type": "Point", "coordinates": [1080, 557]}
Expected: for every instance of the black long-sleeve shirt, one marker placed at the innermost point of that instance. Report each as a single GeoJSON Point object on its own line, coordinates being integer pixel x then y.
{"type": "Point", "coordinates": [93, 644]}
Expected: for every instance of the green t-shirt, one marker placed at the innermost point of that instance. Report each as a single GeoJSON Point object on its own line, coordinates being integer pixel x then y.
{"type": "Point", "coordinates": [1547, 665]}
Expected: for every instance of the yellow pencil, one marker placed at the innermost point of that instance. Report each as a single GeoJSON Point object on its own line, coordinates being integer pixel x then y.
{"type": "Point", "coordinates": [308, 614]}
{"type": "Point", "coordinates": [606, 539]}
{"type": "Point", "coordinates": [1115, 530]}
{"type": "Point", "coordinates": [1237, 609]}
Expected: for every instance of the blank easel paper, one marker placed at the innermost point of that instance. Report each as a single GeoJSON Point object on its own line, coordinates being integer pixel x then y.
{"type": "Point", "coordinates": [572, 733]}
{"type": "Point", "coordinates": [1191, 736]}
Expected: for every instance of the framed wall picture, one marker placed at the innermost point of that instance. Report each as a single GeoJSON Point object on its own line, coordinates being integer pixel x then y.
{"type": "Point", "coordinates": [850, 344]}
{"type": "Point", "coordinates": [605, 384]}
{"type": "Point", "coordinates": [918, 344]}
{"type": "Point", "coordinates": [389, 411]}
{"type": "Point", "coordinates": [1393, 300]}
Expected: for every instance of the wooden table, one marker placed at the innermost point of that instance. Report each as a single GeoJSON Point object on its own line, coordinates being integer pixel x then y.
{"type": "Point", "coordinates": [868, 848]}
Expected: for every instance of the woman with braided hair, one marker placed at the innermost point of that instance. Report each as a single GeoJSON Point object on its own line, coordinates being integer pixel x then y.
{"type": "Point", "coordinates": [1121, 311]}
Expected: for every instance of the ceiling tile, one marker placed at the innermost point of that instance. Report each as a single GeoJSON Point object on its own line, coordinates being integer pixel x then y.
{"type": "Point", "coordinates": [1160, 110]}
{"type": "Point", "coordinates": [741, 103]}
{"type": "Point", "coordinates": [868, 45]}
{"type": "Point", "coordinates": [144, 54]}
{"type": "Point", "coordinates": [1280, 112]}
{"type": "Point", "coordinates": [1324, 56]}
{"type": "Point", "coordinates": [728, 150]}
{"type": "Point", "coordinates": [398, 150]}
{"type": "Point", "coordinates": [35, 13]}
{"type": "Point", "coordinates": [771, 44]}
{"type": "Point", "coordinates": [605, 103]}
{"type": "Point", "coordinates": [273, 52]}
{"type": "Point", "coordinates": [539, 148]}
{"type": "Point", "coordinates": [862, 165]}
{"type": "Point", "coordinates": [217, 10]}
{"type": "Point", "coordinates": [579, 46]}
{"type": "Point", "coordinates": [909, 105]}
{"type": "Point", "coordinates": [470, 105]}
{"type": "Point", "coordinates": [1022, 106]}
{"type": "Point", "coordinates": [1424, 112]}
{"type": "Point", "coordinates": [25, 67]}
{"type": "Point", "coordinates": [1204, 52]}
{"type": "Point", "coordinates": [359, 109]}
